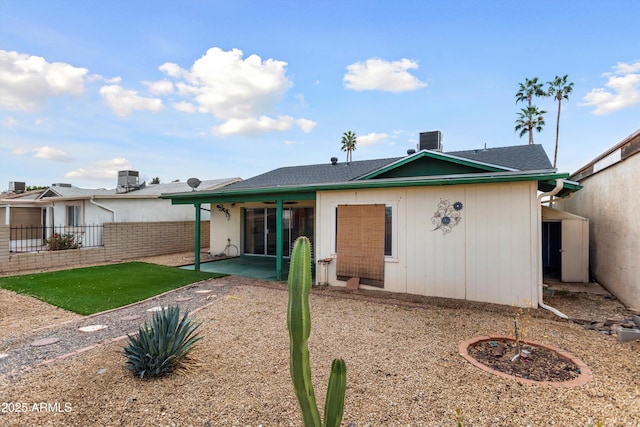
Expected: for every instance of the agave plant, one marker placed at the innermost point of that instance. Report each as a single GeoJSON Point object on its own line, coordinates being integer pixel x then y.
{"type": "Point", "coordinates": [299, 323]}
{"type": "Point", "coordinates": [163, 346]}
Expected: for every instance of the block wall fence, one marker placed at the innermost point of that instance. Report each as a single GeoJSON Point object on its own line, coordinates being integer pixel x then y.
{"type": "Point", "coordinates": [121, 241]}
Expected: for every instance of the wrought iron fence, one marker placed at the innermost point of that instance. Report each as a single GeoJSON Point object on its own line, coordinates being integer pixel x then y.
{"type": "Point", "coordinates": [36, 238]}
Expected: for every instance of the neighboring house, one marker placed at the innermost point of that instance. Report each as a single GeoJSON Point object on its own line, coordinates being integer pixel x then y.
{"type": "Point", "coordinates": [463, 224]}
{"type": "Point", "coordinates": [20, 208]}
{"type": "Point", "coordinates": [609, 199]}
{"type": "Point", "coordinates": [66, 207]}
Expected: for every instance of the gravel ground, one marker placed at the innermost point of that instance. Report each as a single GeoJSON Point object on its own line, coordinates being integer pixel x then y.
{"type": "Point", "coordinates": [403, 366]}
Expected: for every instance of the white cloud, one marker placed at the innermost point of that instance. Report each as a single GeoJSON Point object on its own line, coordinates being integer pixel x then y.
{"type": "Point", "coordinates": [253, 125]}
{"type": "Point", "coordinates": [49, 153]}
{"type": "Point", "coordinates": [26, 81]}
{"type": "Point", "coordinates": [185, 107]}
{"type": "Point", "coordinates": [161, 87]}
{"type": "Point", "coordinates": [623, 90]}
{"type": "Point", "coordinates": [306, 125]}
{"type": "Point", "coordinates": [239, 91]}
{"type": "Point", "coordinates": [123, 101]}
{"type": "Point", "coordinates": [372, 138]}
{"type": "Point", "coordinates": [262, 124]}
{"type": "Point", "coordinates": [378, 74]}
{"type": "Point", "coordinates": [105, 169]}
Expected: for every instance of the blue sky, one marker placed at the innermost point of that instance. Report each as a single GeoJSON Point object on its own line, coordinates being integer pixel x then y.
{"type": "Point", "coordinates": [215, 89]}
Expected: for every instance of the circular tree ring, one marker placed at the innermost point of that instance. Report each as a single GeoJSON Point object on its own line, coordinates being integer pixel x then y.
{"type": "Point", "coordinates": [583, 377]}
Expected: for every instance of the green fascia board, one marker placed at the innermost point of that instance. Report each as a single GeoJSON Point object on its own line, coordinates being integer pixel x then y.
{"type": "Point", "coordinates": [308, 192]}
{"type": "Point", "coordinates": [408, 166]}
{"type": "Point", "coordinates": [567, 188]}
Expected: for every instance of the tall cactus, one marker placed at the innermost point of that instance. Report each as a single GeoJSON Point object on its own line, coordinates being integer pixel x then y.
{"type": "Point", "coordinates": [299, 323]}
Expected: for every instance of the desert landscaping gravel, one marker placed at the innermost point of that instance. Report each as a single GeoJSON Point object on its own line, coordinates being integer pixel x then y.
{"type": "Point", "coordinates": [403, 366]}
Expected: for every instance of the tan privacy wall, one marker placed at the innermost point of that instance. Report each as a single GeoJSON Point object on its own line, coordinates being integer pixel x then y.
{"type": "Point", "coordinates": [360, 243]}
{"type": "Point", "coordinates": [609, 199]}
{"type": "Point", "coordinates": [486, 250]}
{"type": "Point", "coordinates": [122, 241]}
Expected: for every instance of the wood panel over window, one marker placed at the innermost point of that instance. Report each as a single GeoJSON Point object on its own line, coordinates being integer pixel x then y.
{"type": "Point", "coordinates": [360, 243]}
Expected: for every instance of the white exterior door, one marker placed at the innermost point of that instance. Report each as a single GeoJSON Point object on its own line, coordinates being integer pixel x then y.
{"type": "Point", "coordinates": [574, 260]}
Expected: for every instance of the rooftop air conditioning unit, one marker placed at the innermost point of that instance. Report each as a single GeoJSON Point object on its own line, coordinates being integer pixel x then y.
{"type": "Point", "coordinates": [128, 181]}
{"type": "Point", "coordinates": [17, 187]}
{"type": "Point", "coordinates": [431, 141]}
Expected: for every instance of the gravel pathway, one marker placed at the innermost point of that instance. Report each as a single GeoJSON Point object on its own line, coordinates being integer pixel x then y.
{"type": "Point", "coordinates": [23, 352]}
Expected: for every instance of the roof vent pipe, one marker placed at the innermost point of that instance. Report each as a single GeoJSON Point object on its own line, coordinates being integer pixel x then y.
{"type": "Point", "coordinates": [334, 160]}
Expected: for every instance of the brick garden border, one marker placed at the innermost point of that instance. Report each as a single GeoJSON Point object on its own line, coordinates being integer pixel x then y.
{"type": "Point", "coordinates": [583, 378]}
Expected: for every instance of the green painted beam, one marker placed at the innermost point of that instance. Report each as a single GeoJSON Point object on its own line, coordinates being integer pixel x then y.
{"type": "Point", "coordinates": [196, 260]}
{"type": "Point", "coordinates": [279, 238]}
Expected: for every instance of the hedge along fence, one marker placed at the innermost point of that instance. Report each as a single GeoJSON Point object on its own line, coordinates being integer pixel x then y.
{"type": "Point", "coordinates": [121, 241]}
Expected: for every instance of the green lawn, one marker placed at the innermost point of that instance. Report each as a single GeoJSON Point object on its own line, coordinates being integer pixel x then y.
{"type": "Point", "coordinates": [94, 289]}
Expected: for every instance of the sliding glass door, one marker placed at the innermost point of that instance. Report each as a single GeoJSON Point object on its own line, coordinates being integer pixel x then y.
{"type": "Point", "coordinates": [260, 229]}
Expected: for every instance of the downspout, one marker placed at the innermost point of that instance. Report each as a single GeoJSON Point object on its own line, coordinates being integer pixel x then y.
{"type": "Point", "coordinates": [113, 212]}
{"type": "Point", "coordinates": [556, 190]}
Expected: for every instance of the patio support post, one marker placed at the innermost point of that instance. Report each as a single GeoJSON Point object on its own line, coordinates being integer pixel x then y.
{"type": "Point", "coordinates": [279, 239]}
{"type": "Point", "coordinates": [196, 260]}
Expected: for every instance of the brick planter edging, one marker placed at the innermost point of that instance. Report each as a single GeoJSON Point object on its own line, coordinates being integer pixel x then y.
{"type": "Point", "coordinates": [585, 372]}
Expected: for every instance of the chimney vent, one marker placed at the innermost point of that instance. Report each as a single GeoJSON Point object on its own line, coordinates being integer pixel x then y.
{"type": "Point", "coordinates": [334, 160]}
{"type": "Point", "coordinates": [431, 140]}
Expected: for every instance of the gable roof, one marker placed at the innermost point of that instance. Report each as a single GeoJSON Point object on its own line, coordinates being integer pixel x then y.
{"type": "Point", "coordinates": [424, 168]}
{"type": "Point", "coordinates": [520, 157]}
{"type": "Point", "coordinates": [149, 191]}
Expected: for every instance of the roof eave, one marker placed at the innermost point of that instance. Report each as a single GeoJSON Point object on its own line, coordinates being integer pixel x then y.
{"type": "Point", "coordinates": [306, 190]}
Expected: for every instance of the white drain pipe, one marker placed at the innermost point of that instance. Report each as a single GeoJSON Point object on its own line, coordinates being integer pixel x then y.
{"type": "Point", "coordinates": [556, 190]}
{"type": "Point", "coordinates": [113, 212]}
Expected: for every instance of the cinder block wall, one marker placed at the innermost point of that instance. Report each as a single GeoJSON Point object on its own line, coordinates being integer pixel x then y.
{"type": "Point", "coordinates": [4, 246]}
{"type": "Point", "coordinates": [122, 241]}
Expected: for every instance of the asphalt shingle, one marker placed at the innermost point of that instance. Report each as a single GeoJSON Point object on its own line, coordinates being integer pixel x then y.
{"type": "Point", "coordinates": [520, 157]}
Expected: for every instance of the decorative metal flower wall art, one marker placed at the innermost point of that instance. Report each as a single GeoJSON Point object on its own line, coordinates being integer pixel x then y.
{"type": "Point", "coordinates": [224, 210]}
{"type": "Point", "coordinates": [447, 216]}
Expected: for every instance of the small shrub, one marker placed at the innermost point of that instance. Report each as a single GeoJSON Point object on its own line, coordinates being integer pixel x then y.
{"type": "Point", "coordinates": [163, 346]}
{"type": "Point", "coordinates": [61, 242]}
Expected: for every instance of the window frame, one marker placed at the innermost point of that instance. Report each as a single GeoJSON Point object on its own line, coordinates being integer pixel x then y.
{"type": "Point", "coordinates": [393, 206]}
{"type": "Point", "coordinates": [73, 215]}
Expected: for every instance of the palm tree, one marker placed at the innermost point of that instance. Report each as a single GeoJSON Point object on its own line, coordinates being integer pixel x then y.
{"type": "Point", "coordinates": [559, 89]}
{"type": "Point", "coordinates": [349, 144]}
{"type": "Point", "coordinates": [530, 118]}
{"type": "Point", "coordinates": [528, 90]}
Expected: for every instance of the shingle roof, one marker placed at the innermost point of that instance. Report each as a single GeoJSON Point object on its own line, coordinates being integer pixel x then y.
{"type": "Point", "coordinates": [324, 173]}
{"type": "Point", "coordinates": [149, 190]}
{"type": "Point", "coordinates": [521, 157]}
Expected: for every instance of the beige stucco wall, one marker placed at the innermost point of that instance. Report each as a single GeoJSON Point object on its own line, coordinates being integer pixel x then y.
{"type": "Point", "coordinates": [491, 256]}
{"type": "Point", "coordinates": [610, 200]}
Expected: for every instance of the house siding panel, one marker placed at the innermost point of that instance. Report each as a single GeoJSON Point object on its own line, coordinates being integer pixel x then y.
{"type": "Point", "coordinates": [489, 256]}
